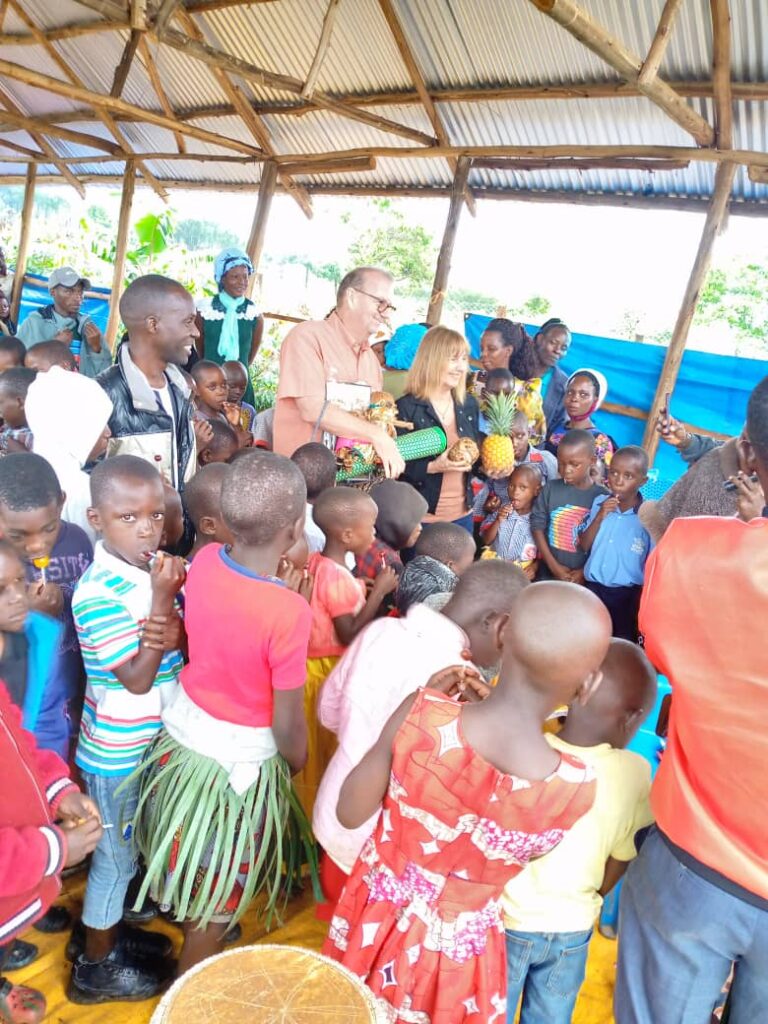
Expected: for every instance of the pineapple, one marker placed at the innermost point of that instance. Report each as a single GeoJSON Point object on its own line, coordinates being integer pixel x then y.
{"type": "Point", "coordinates": [498, 453]}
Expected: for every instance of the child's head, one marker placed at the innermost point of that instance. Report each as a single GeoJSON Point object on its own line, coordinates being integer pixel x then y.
{"type": "Point", "coordinates": [347, 517]}
{"type": "Point", "coordinates": [447, 543]}
{"type": "Point", "coordinates": [222, 445]}
{"type": "Point", "coordinates": [498, 382]}
{"type": "Point", "coordinates": [423, 578]}
{"type": "Point", "coordinates": [481, 606]}
{"type": "Point", "coordinates": [14, 602]}
{"type": "Point", "coordinates": [128, 508]}
{"type": "Point", "coordinates": [554, 643]}
{"type": "Point", "coordinates": [45, 354]}
{"type": "Point", "coordinates": [575, 458]}
{"type": "Point", "coordinates": [202, 500]}
{"type": "Point", "coordinates": [173, 527]}
{"type": "Point", "coordinates": [627, 476]}
{"type": "Point", "coordinates": [31, 500]}
{"type": "Point", "coordinates": [584, 394]}
{"type": "Point", "coordinates": [523, 488]}
{"type": "Point", "coordinates": [5, 306]}
{"type": "Point", "coordinates": [236, 376]}
{"type": "Point", "coordinates": [400, 511]}
{"type": "Point", "coordinates": [318, 467]}
{"type": "Point", "coordinates": [210, 384]}
{"type": "Point", "coordinates": [263, 501]}
{"type": "Point", "coordinates": [12, 352]}
{"type": "Point", "coordinates": [521, 435]}
{"type": "Point", "coordinates": [14, 384]}
{"type": "Point", "coordinates": [623, 701]}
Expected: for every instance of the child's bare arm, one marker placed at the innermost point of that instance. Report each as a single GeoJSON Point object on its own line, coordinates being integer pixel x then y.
{"type": "Point", "coordinates": [289, 727]}
{"type": "Point", "coordinates": [348, 626]}
{"type": "Point", "coordinates": [545, 554]}
{"type": "Point", "coordinates": [490, 532]}
{"type": "Point", "coordinates": [614, 872]}
{"type": "Point", "coordinates": [587, 538]}
{"type": "Point", "coordinates": [365, 786]}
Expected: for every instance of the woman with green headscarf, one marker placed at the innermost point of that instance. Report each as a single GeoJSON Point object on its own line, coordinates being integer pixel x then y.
{"type": "Point", "coordinates": [229, 323]}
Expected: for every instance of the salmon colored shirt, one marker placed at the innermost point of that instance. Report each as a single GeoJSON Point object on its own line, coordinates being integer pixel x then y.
{"type": "Point", "coordinates": [312, 354]}
{"type": "Point", "coordinates": [335, 592]}
{"type": "Point", "coordinates": [452, 503]}
{"type": "Point", "coordinates": [703, 616]}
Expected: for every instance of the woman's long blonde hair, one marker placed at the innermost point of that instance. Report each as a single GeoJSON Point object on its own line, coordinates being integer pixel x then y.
{"type": "Point", "coordinates": [438, 346]}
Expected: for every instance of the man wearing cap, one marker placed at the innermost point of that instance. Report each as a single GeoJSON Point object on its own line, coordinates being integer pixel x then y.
{"type": "Point", "coordinates": [62, 321]}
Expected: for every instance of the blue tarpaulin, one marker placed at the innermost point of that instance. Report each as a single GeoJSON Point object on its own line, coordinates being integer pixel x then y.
{"type": "Point", "coordinates": [35, 295]}
{"type": "Point", "coordinates": [711, 390]}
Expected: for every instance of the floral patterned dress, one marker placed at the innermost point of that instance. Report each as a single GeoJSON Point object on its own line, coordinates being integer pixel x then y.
{"type": "Point", "coordinates": [419, 920]}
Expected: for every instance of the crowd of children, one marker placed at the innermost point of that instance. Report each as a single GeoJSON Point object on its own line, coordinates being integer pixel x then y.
{"type": "Point", "coordinates": [262, 674]}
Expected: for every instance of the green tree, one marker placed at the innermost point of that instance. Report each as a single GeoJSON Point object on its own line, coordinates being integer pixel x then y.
{"type": "Point", "coordinates": [737, 298]}
{"type": "Point", "coordinates": [204, 234]}
{"type": "Point", "coordinates": [406, 250]}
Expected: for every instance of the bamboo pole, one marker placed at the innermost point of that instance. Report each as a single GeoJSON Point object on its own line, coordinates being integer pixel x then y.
{"type": "Point", "coordinates": [121, 244]}
{"type": "Point", "coordinates": [721, 72]}
{"type": "Point", "coordinates": [27, 214]}
{"type": "Point", "coordinates": [595, 37]}
{"type": "Point", "coordinates": [255, 245]}
{"type": "Point", "coordinates": [674, 357]}
{"type": "Point", "coordinates": [322, 48]}
{"type": "Point", "coordinates": [660, 42]}
{"type": "Point", "coordinates": [443, 268]}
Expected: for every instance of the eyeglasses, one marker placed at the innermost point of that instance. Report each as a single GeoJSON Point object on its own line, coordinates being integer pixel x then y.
{"type": "Point", "coordinates": [385, 306]}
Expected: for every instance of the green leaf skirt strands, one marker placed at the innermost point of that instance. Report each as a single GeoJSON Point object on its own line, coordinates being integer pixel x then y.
{"type": "Point", "coordinates": [209, 851]}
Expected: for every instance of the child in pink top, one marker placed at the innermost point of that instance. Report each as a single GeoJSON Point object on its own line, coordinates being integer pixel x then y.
{"type": "Point", "coordinates": [341, 607]}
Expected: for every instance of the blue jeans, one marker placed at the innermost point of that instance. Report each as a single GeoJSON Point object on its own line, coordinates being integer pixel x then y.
{"type": "Point", "coordinates": [678, 936]}
{"type": "Point", "coordinates": [547, 969]}
{"type": "Point", "coordinates": [113, 863]}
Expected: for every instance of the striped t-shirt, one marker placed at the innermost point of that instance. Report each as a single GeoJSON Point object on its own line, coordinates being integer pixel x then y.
{"type": "Point", "coordinates": [110, 602]}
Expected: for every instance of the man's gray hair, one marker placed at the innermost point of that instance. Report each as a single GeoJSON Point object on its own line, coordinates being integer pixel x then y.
{"type": "Point", "coordinates": [356, 279]}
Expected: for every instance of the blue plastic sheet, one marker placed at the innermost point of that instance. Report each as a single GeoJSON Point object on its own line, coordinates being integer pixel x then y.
{"type": "Point", "coordinates": [35, 295]}
{"type": "Point", "coordinates": [711, 390]}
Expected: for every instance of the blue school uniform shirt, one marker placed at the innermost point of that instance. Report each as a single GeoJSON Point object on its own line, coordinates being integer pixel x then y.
{"type": "Point", "coordinates": [620, 549]}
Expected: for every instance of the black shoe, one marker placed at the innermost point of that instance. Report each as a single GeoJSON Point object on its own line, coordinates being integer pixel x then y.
{"type": "Point", "coordinates": [147, 912]}
{"type": "Point", "coordinates": [21, 954]}
{"type": "Point", "coordinates": [55, 919]}
{"type": "Point", "coordinates": [132, 942]}
{"type": "Point", "coordinates": [113, 979]}
{"type": "Point", "coordinates": [233, 934]}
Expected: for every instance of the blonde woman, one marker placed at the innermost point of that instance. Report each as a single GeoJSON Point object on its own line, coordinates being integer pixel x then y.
{"type": "Point", "coordinates": [435, 396]}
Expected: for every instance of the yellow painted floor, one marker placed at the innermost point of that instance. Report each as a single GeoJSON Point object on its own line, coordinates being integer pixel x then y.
{"type": "Point", "coordinates": [50, 971]}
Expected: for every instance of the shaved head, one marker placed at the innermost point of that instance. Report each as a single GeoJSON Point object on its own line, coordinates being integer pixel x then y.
{"type": "Point", "coordinates": [262, 494]}
{"type": "Point", "coordinates": [340, 506]}
{"type": "Point", "coordinates": [148, 296]}
{"type": "Point", "coordinates": [202, 495]}
{"type": "Point", "coordinates": [121, 469]}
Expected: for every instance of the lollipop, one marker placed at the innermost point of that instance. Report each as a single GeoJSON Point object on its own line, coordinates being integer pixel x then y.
{"type": "Point", "coordinates": [41, 564]}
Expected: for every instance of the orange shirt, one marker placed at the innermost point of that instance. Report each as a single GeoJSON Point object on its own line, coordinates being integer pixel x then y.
{"type": "Point", "coordinates": [313, 353]}
{"type": "Point", "coordinates": [335, 592]}
{"type": "Point", "coordinates": [703, 616]}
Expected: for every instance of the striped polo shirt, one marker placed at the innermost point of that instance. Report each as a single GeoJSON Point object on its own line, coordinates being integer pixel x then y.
{"type": "Point", "coordinates": [110, 603]}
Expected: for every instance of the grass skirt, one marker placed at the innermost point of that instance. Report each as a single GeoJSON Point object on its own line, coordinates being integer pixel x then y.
{"type": "Point", "coordinates": [208, 851]}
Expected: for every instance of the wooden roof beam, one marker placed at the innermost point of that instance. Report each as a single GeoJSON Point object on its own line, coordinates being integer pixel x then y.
{"type": "Point", "coordinates": [596, 38]}
{"type": "Point", "coordinates": [123, 68]}
{"type": "Point", "coordinates": [41, 158]}
{"type": "Point", "coordinates": [660, 42]}
{"type": "Point", "coordinates": [13, 121]}
{"type": "Point", "coordinates": [322, 49]}
{"type": "Point", "coordinates": [721, 72]}
{"type": "Point", "coordinates": [9, 108]}
{"type": "Point", "coordinates": [578, 164]}
{"type": "Point", "coordinates": [419, 83]}
{"type": "Point", "coordinates": [154, 76]}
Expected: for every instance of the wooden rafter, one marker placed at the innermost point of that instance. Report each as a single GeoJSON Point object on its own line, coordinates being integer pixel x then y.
{"type": "Point", "coordinates": [574, 164]}
{"type": "Point", "coordinates": [33, 154]}
{"type": "Point", "coordinates": [599, 40]}
{"type": "Point", "coordinates": [7, 106]}
{"type": "Point", "coordinates": [72, 31]}
{"type": "Point", "coordinates": [197, 7]}
{"type": "Point", "coordinates": [660, 42]}
{"type": "Point", "coordinates": [252, 121]}
{"type": "Point", "coordinates": [322, 48]}
{"type": "Point", "coordinates": [721, 72]}
{"type": "Point", "coordinates": [154, 77]}
{"type": "Point", "coordinates": [123, 68]}
{"type": "Point", "coordinates": [211, 158]}
{"type": "Point", "coordinates": [419, 84]}
{"type": "Point", "coordinates": [101, 102]}
{"type": "Point", "coordinates": [13, 120]}
{"type": "Point", "coordinates": [167, 7]}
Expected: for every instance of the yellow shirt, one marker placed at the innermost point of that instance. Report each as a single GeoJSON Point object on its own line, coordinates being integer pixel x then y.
{"type": "Point", "coordinates": [559, 892]}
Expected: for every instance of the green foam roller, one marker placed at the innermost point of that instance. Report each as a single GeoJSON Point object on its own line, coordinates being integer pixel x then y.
{"type": "Point", "coordinates": [419, 444]}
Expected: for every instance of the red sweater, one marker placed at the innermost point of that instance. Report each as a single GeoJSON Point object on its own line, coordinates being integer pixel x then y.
{"type": "Point", "coordinates": [32, 849]}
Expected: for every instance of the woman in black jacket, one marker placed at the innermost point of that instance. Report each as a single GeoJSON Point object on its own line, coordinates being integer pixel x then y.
{"type": "Point", "coordinates": [436, 396]}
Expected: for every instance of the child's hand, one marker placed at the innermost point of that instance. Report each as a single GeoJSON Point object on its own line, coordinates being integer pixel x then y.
{"type": "Point", "coordinates": [505, 511]}
{"type": "Point", "coordinates": [78, 807]}
{"type": "Point", "coordinates": [561, 573]}
{"type": "Point", "coordinates": [163, 632]}
{"type": "Point", "coordinates": [493, 502]}
{"type": "Point", "coordinates": [576, 576]}
{"type": "Point", "coordinates": [289, 574]}
{"type": "Point", "coordinates": [82, 840]}
{"type": "Point", "coordinates": [530, 570]}
{"type": "Point", "coordinates": [750, 499]}
{"type": "Point", "coordinates": [385, 582]}
{"type": "Point", "coordinates": [203, 433]}
{"type": "Point", "coordinates": [64, 336]}
{"type": "Point", "coordinates": [46, 597]}
{"type": "Point", "coordinates": [232, 411]}
{"type": "Point", "coordinates": [462, 681]}
{"type": "Point", "coordinates": [167, 576]}
{"type": "Point", "coordinates": [306, 586]}
{"type": "Point", "coordinates": [609, 505]}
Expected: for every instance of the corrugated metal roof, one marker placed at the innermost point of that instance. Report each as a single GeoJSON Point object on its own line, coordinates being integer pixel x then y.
{"type": "Point", "coordinates": [456, 44]}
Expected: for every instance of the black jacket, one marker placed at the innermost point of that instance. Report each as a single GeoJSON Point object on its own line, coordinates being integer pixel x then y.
{"type": "Point", "coordinates": [554, 410]}
{"type": "Point", "coordinates": [141, 427]}
{"type": "Point", "coordinates": [420, 413]}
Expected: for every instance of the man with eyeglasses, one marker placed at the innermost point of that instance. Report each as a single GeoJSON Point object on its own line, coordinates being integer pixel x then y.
{"type": "Point", "coordinates": [336, 349]}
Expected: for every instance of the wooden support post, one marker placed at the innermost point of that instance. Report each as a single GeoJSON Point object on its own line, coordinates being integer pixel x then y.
{"type": "Point", "coordinates": [27, 212]}
{"type": "Point", "coordinates": [718, 209]}
{"type": "Point", "coordinates": [721, 72]}
{"type": "Point", "coordinates": [443, 269]}
{"type": "Point", "coordinates": [118, 273]}
{"type": "Point", "coordinates": [255, 245]}
{"type": "Point", "coordinates": [660, 42]}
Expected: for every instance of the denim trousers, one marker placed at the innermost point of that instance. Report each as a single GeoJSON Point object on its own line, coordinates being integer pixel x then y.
{"type": "Point", "coordinates": [547, 969]}
{"type": "Point", "coordinates": [113, 862]}
{"type": "Point", "coordinates": [678, 936]}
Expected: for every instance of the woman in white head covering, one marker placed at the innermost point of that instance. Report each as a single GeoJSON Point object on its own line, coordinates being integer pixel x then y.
{"type": "Point", "coordinates": [585, 392]}
{"type": "Point", "coordinates": [68, 415]}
